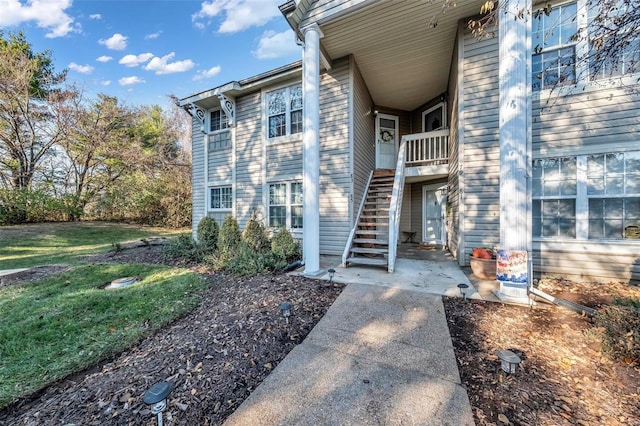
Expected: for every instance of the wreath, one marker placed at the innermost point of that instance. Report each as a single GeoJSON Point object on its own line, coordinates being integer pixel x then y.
{"type": "Point", "coordinates": [386, 136]}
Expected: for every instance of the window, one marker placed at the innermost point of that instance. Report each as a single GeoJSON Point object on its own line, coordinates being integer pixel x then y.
{"type": "Point", "coordinates": [434, 118]}
{"type": "Point", "coordinates": [554, 197]}
{"type": "Point", "coordinates": [613, 189]}
{"type": "Point", "coordinates": [284, 111]}
{"type": "Point", "coordinates": [217, 120]}
{"type": "Point", "coordinates": [600, 202]}
{"type": "Point", "coordinates": [285, 205]}
{"type": "Point", "coordinates": [221, 198]}
{"type": "Point", "coordinates": [625, 59]}
{"type": "Point", "coordinates": [554, 59]}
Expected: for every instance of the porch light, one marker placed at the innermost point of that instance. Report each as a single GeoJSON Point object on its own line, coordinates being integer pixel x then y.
{"type": "Point", "coordinates": [509, 361]}
{"type": "Point", "coordinates": [285, 309]}
{"type": "Point", "coordinates": [463, 290]}
{"type": "Point", "coordinates": [156, 397]}
{"type": "Point", "coordinates": [331, 272]}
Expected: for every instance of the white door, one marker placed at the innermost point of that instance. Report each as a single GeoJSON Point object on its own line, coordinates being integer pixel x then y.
{"type": "Point", "coordinates": [433, 208]}
{"type": "Point", "coordinates": [386, 141]}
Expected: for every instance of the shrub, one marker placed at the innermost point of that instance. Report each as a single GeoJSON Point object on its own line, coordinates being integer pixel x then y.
{"type": "Point", "coordinates": [248, 262]}
{"type": "Point", "coordinates": [229, 235]}
{"type": "Point", "coordinates": [284, 246]}
{"type": "Point", "coordinates": [620, 332]}
{"type": "Point", "coordinates": [208, 231]}
{"type": "Point", "coordinates": [255, 234]}
{"type": "Point", "coordinates": [183, 247]}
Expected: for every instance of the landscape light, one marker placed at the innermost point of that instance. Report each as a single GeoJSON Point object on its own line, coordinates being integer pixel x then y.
{"type": "Point", "coordinates": [285, 309]}
{"type": "Point", "coordinates": [156, 397]}
{"type": "Point", "coordinates": [463, 290]}
{"type": "Point", "coordinates": [331, 274]}
{"type": "Point", "coordinates": [509, 361]}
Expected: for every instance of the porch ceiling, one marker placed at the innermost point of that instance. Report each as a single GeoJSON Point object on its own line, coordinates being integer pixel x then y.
{"type": "Point", "coordinates": [404, 61]}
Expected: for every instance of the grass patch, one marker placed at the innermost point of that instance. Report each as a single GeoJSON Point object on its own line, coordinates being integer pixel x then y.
{"type": "Point", "coordinates": [24, 246]}
{"type": "Point", "coordinates": [66, 323]}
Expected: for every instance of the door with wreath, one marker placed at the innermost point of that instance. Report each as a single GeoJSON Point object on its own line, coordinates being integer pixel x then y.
{"type": "Point", "coordinates": [386, 141]}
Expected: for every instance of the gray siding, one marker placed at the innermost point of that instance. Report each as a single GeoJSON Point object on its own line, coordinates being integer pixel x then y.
{"type": "Point", "coordinates": [596, 120]}
{"type": "Point", "coordinates": [197, 175]}
{"type": "Point", "coordinates": [364, 151]}
{"type": "Point", "coordinates": [335, 162]}
{"type": "Point", "coordinates": [480, 150]}
{"type": "Point", "coordinates": [284, 161]}
{"type": "Point", "coordinates": [453, 197]}
{"type": "Point", "coordinates": [220, 159]}
{"type": "Point", "coordinates": [248, 152]}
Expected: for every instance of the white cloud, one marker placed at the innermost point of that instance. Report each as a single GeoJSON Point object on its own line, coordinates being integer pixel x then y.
{"type": "Point", "coordinates": [129, 81]}
{"type": "Point", "coordinates": [135, 60]}
{"type": "Point", "coordinates": [95, 16]}
{"type": "Point", "coordinates": [276, 45]}
{"type": "Point", "coordinates": [105, 82]}
{"type": "Point", "coordinates": [49, 14]}
{"type": "Point", "coordinates": [153, 36]}
{"type": "Point", "coordinates": [82, 69]}
{"type": "Point", "coordinates": [162, 66]}
{"type": "Point", "coordinates": [104, 58]}
{"type": "Point", "coordinates": [237, 15]}
{"type": "Point", "coordinates": [115, 42]}
{"type": "Point", "coordinates": [210, 73]}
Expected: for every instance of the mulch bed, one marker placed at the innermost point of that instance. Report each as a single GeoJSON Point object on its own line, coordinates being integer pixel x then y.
{"type": "Point", "coordinates": [215, 356]}
{"type": "Point", "coordinates": [564, 379]}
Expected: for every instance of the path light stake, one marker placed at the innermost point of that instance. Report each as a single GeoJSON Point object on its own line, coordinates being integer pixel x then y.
{"type": "Point", "coordinates": [331, 274]}
{"type": "Point", "coordinates": [463, 290]}
{"type": "Point", "coordinates": [156, 397]}
{"type": "Point", "coordinates": [509, 361]}
{"type": "Point", "coordinates": [285, 309]}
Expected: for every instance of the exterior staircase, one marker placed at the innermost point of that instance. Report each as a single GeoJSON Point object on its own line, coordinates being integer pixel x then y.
{"type": "Point", "coordinates": [370, 244]}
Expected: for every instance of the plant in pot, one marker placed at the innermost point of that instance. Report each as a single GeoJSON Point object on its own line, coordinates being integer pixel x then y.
{"type": "Point", "coordinates": [483, 263]}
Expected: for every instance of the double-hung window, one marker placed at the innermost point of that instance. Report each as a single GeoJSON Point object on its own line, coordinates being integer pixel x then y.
{"type": "Point", "coordinates": [623, 56]}
{"type": "Point", "coordinates": [217, 120]}
{"type": "Point", "coordinates": [284, 111]}
{"type": "Point", "coordinates": [221, 198]}
{"type": "Point", "coordinates": [554, 197]}
{"type": "Point", "coordinates": [613, 189]}
{"type": "Point", "coordinates": [285, 205]}
{"type": "Point", "coordinates": [554, 39]}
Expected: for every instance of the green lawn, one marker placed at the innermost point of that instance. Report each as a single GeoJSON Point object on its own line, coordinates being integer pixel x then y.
{"type": "Point", "coordinates": [23, 246]}
{"type": "Point", "coordinates": [63, 324]}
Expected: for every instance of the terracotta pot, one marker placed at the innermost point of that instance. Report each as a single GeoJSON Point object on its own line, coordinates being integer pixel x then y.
{"type": "Point", "coordinates": [485, 269]}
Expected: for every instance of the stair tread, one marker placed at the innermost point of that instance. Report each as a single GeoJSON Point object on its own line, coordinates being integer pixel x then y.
{"type": "Point", "coordinates": [371, 232]}
{"type": "Point", "coordinates": [367, 261]}
{"type": "Point", "coordinates": [371, 241]}
{"type": "Point", "coordinates": [369, 250]}
{"type": "Point", "coordinates": [376, 216]}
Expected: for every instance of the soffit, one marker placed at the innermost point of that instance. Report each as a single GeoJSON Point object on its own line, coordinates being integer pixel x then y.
{"type": "Point", "coordinates": [404, 60]}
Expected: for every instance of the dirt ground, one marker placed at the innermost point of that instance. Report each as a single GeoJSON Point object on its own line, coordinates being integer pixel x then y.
{"type": "Point", "coordinates": [220, 352]}
{"type": "Point", "coordinates": [563, 379]}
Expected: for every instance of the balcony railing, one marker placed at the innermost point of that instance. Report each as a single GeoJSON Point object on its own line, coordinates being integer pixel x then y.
{"type": "Point", "coordinates": [427, 149]}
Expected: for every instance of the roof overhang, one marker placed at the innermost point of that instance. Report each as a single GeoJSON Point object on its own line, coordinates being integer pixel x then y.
{"type": "Point", "coordinates": [404, 49]}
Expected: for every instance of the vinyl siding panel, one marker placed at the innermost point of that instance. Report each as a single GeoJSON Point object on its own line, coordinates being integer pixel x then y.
{"type": "Point", "coordinates": [335, 164]}
{"type": "Point", "coordinates": [197, 176]}
{"type": "Point", "coordinates": [480, 154]}
{"type": "Point", "coordinates": [284, 161]}
{"type": "Point", "coordinates": [364, 153]}
{"type": "Point", "coordinates": [453, 197]}
{"type": "Point", "coordinates": [248, 152]}
{"type": "Point", "coordinates": [220, 165]}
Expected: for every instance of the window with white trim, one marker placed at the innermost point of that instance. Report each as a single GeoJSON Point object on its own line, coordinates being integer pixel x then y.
{"type": "Point", "coordinates": [554, 197]}
{"type": "Point", "coordinates": [284, 111]}
{"type": "Point", "coordinates": [603, 201]}
{"type": "Point", "coordinates": [613, 189]}
{"type": "Point", "coordinates": [217, 120]}
{"type": "Point", "coordinates": [285, 205]}
{"type": "Point", "coordinates": [618, 63]}
{"type": "Point", "coordinates": [220, 198]}
{"type": "Point", "coordinates": [554, 45]}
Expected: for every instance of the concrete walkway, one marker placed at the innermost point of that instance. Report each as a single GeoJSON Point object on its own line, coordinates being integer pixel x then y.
{"type": "Point", "coordinates": [380, 356]}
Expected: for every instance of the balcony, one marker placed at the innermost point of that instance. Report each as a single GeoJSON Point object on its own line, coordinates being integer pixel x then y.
{"type": "Point", "coordinates": [427, 154]}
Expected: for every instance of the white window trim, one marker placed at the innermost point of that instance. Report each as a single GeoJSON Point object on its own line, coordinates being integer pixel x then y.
{"type": "Point", "coordinates": [582, 204]}
{"type": "Point", "coordinates": [208, 122]}
{"type": "Point", "coordinates": [442, 104]}
{"type": "Point", "coordinates": [296, 137]}
{"type": "Point", "coordinates": [208, 195]}
{"type": "Point", "coordinates": [294, 231]}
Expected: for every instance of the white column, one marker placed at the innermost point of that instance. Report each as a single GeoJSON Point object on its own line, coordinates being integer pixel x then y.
{"type": "Point", "coordinates": [515, 130]}
{"type": "Point", "coordinates": [311, 149]}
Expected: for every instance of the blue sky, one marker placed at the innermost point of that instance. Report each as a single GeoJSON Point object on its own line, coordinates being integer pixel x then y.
{"type": "Point", "coordinates": [142, 50]}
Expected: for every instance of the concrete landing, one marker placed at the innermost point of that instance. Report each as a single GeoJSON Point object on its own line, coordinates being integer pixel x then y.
{"type": "Point", "coordinates": [380, 355]}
